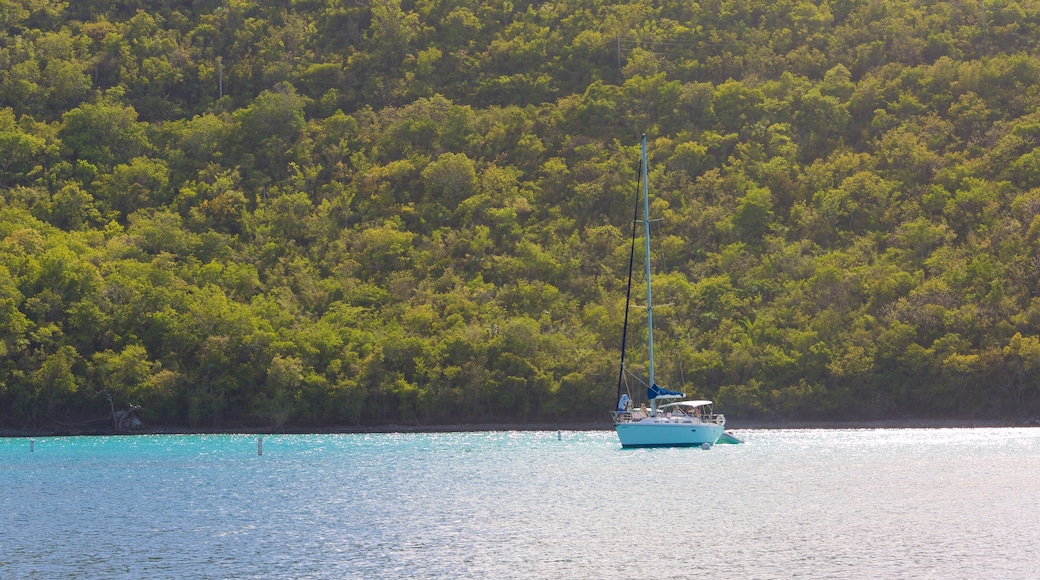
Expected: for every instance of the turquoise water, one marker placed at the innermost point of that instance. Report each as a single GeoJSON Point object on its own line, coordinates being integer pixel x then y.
{"type": "Point", "coordinates": [929, 503]}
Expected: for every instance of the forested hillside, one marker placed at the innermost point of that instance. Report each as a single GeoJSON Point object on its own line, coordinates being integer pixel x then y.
{"type": "Point", "coordinates": [334, 212]}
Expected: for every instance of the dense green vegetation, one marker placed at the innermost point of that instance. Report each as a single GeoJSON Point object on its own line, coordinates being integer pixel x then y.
{"type": "Point", "coordinates": [303, 212]}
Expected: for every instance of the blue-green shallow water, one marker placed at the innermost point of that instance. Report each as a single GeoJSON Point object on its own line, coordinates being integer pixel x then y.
{"type": "Point", "coordinates": [936, 503]}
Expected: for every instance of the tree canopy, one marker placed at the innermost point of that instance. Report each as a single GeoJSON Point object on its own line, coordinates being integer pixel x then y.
{"type": "Point", "coordinates": [317, 212]}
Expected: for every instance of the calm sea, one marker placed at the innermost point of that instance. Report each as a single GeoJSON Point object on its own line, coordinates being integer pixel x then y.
{"type": "Point", "coordinates": [893, 503]}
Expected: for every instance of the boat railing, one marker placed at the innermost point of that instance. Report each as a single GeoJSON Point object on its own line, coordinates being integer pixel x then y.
{"type": "Point", "coordinates": [711, 418]}
{"type": "Point", "coordinates": [629, 416]}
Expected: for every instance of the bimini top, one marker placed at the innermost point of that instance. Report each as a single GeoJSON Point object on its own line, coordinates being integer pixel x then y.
{"type": "Point", "coordinates": [689, 404]}
{"type": "Point", "coordinates": [656, 392]}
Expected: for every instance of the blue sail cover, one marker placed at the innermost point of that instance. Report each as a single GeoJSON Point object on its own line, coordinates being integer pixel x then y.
{"type": "Point", "coordinates": [655, 391]}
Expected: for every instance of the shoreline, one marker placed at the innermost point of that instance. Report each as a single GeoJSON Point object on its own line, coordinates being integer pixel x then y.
{"type": "Point", "coordinates": [501, 427]}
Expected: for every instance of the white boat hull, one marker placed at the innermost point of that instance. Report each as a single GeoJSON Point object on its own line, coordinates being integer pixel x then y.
{"type": "Point", "coordinates": [661, 432]}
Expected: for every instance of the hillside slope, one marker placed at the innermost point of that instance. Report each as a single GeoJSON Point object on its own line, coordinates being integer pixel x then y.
{"type": "Point", "coordinates": [328, 213]}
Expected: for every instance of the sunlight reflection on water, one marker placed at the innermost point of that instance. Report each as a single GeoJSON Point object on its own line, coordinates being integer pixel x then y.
{"type": "Point", "coordinates": [944, 503]}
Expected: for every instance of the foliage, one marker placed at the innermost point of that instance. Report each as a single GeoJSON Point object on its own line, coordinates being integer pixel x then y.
{"type": "Point", "coordinates": [328, 213]}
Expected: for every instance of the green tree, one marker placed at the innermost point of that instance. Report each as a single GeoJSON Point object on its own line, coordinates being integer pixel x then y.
{"type": "Point", "coordinates": [105, 133]}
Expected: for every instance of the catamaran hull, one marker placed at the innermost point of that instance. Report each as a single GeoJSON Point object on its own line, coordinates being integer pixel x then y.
{"type": "Point", "coordinates": [638, 434]}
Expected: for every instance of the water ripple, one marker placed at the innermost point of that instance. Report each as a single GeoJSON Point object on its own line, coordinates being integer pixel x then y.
{"type": "Point", "coordinates": [942, 503]}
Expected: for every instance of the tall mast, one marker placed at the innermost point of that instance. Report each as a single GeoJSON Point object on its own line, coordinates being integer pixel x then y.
{"type": "Point", "coordinates": [649, 295]}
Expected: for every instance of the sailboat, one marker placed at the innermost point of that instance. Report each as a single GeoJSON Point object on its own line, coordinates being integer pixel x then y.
{"type": "Point", "coordinates": [670, 421]}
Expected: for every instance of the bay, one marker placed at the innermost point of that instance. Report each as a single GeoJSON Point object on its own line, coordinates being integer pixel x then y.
{"type": "Point", "coordinates": [893, 503]}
